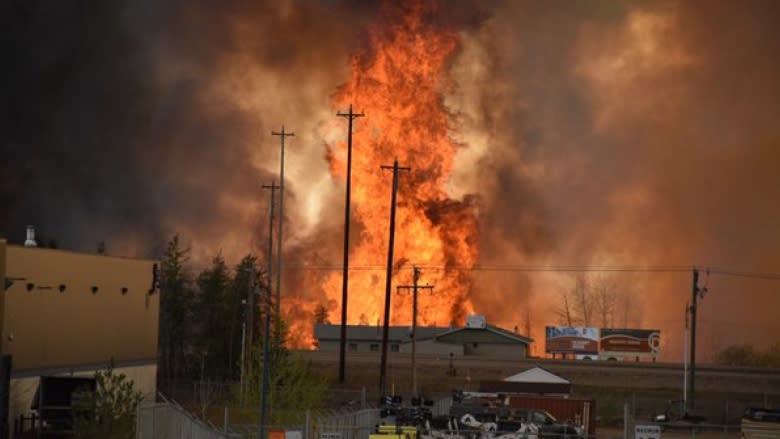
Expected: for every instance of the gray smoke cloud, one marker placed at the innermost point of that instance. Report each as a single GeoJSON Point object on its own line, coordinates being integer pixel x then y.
{"type": "Point", "coordinates": [633, 134]}
{"type": "Point", "coordinates": [592, 132]}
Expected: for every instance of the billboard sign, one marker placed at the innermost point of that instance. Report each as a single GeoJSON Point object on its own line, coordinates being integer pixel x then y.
{"type": "Point", "coordinates": [571, 340]}
{"type": "Point", "coordinates": [631, 341]}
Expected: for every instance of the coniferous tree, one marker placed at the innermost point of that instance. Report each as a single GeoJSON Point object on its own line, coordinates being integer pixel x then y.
{"type": "Point", "coordinates": [246, 290]}
{"type": "Point", "coordinates": [175, 311]}
{"type": "Point", "coordinates": [212, 316]}
{"type": "Point", "coordinates": [108, 411]}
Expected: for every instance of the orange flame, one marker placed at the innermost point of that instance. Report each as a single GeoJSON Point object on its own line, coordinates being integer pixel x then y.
{"type": "Point", "coordinates": [399, 81]}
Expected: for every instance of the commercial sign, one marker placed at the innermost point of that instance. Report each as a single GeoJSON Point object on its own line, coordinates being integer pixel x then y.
{"type": "Point", "coordinates": [571, 340]}
{"type": "Point", "coordinates": [647, 431]}
{"type": "Point", "coordinates": [631, 341]}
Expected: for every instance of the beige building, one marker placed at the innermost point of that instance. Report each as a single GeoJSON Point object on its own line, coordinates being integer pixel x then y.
{"type": "Point", "coordinates": [67, 313]}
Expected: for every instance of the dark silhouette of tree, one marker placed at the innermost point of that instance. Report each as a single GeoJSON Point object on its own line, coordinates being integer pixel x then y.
{"type": "Point", "coordinates": [175, 310]}
{"type": "Point", "coordinates": [212, 315]}
{"type": "Point", "coordinates": [246, 289]}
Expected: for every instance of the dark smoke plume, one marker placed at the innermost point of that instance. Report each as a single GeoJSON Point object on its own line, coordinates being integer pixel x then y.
{"type": "Point", "coordinates": [633, 133]}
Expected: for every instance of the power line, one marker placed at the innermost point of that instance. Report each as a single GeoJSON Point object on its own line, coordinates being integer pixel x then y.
{"type": "Point", "coordinates": [735, 273]}
{"type": "Point", "coordinates": [556, 268]}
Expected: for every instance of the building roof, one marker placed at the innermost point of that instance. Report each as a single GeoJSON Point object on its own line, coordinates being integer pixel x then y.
{"type": "Point", "coordinates": [67, 252]}
{"type": "Point", "coordinates": [536, 375]}
{"type": "Point", "coordinates": [489, 334]}
{"type": "Point", "coordinates": [396, 334]}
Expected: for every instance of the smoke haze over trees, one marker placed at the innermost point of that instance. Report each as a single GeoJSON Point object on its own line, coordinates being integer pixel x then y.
{"type": "Point", "coordinates": [590, 132]}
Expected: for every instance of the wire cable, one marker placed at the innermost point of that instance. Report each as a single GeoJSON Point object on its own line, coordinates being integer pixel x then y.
{"type": "Point", "coordinates": [555, 269]}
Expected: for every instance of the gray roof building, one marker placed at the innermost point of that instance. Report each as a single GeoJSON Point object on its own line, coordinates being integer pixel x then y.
{"type": "Point", "coordinates": [477, 338]}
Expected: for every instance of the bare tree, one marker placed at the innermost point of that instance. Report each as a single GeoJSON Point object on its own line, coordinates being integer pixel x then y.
{"type": "Point", "coordinates": [583, 299]}
{"type": "Point", "coordinates": [564, 310]}
{"type": "Point", "coordinates": [604, 294]}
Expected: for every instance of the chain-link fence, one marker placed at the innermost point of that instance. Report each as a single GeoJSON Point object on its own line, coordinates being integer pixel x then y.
{"type": "Point", "coordinates": [672, 427]}
{"type": "Point", "coordinates": [352, 425]}
{"type": "Point", "coordinates": [168, 420]}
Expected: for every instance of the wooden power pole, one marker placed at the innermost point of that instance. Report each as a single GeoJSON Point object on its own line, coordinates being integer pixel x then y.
{"type": "Point", "coordinates": [267, 326]}
{"type": "Point", "coordinates": [278, 329]}
{"type": "Point", "coordinates": [696, 293]}
{"type": "Point", "coordinates": [345, 275]}
{"type": "Point", "coordinates": [414, 288]}
{"type": "Point", "coordinates": [389, 281]}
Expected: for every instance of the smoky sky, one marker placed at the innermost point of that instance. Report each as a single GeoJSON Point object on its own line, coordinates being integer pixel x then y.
{"type": "Point", "coordinates": [111, 131]}
{"type": "Point", "coordinates": [591, 132]}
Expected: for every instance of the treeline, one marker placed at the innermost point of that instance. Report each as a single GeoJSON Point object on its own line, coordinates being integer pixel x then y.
{"type": "Point", "coordinates": [748, 356]}
{"type": "Point", "coordinates": [202, 315]}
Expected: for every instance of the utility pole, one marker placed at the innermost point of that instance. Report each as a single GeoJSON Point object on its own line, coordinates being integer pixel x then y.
{"type": "Point", "coordinates": [345, 281]}
{"type": "Point", "coordinates": [696, 293]}
{"type": "Point", "coordinates": [278, 329]}
{"type": "Point", "coordinates": [685, 362]}
{"type": "Point", "coordinates": [248, 327]}
{"type": "Point", "coordinates": [267, 326]}
{"type": "Point", "coordinates": [388, 284]}
{"type": "Point", "coordinates": [415, 287]}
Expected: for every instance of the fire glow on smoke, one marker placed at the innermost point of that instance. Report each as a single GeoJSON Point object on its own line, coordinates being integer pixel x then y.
{"type": "Point", "coordinates": [398, 81]}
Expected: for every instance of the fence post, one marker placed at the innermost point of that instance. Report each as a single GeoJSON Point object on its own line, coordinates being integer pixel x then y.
{"type": "Point", "coordinates": [307, 425]}
{"type": "Point", "coordinates": [225, 419]}
{"type": "Point", "coordinates": [586, 418]}
{"type": "Point", "coordinates": [625, 420]}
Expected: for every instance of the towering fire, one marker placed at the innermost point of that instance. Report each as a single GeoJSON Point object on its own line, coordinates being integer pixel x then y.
{"type": "Point", "coordinates": [398, 80]}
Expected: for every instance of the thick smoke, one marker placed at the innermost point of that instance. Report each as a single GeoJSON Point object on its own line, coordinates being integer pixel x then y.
{"type": "Point", "coordinates": [628, 135]}
{"type": "Point", "coordinates": [126, 122]}
{"type": "Point", "coordinates": [593, 133]}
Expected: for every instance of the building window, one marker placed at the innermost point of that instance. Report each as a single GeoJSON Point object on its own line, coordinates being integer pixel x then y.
{"type": "Point", "coordinates": [374, 347]}
{"type": "Point", "coordinates": [394, 348]}
{"type": "Point", "coordinates": [353, 347]}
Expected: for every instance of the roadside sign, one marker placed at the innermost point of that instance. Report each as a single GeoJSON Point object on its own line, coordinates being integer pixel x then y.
{"type": "Point", "coordinates": [571, 340]}
{"type": "Point", "coordinates": [647, 432]}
